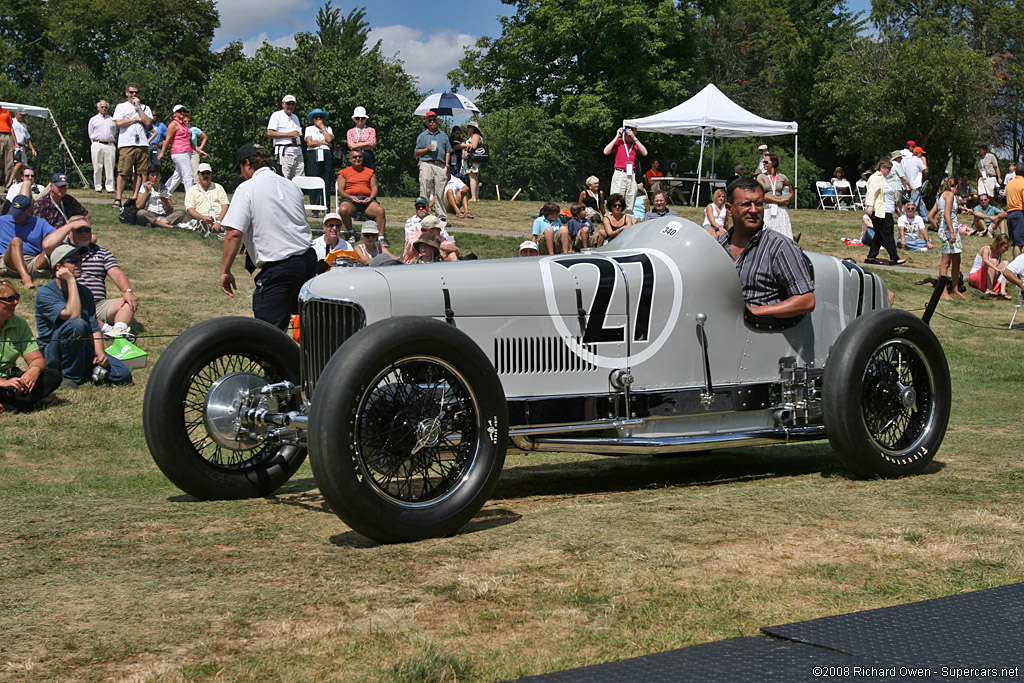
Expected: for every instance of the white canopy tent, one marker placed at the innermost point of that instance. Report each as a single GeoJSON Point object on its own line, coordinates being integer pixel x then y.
{"type": "Point", "coordinates": [710, 113]}
{"type": "Point", "coordinates": [44, 113]}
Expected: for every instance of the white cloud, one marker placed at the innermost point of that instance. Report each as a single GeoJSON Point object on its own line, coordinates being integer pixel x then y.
{"type": "Point", "coordinates": [245, 18]}
{"type": "Point", "coordinates": [428, 58]}
{"type": "Point", "coordinates": [250, 45]}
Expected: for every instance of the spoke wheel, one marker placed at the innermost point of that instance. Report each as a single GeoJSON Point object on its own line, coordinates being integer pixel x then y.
{"type": "Point", "coordinates": [886, 394]}
{"type": "Point", "coordinates": [415, 430]}
{"type": "Point", "coordinates": [407, 445]}
{"type": "Point", "coordinates": [198, 454]}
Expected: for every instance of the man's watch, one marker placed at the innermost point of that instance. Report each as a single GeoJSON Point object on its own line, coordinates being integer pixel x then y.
{"type": "Point", "coordinates": [128, 291]}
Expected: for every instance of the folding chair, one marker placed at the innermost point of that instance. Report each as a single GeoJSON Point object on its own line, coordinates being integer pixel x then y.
{"type": "Point", "coordinates": [845, 199]}
{"type": "Point", "coordinates": [826, 195]}
{"type": "Point", "coordinates": [1016, 309]}
{"type": "Point", "coordinates": [862, 191]}
{"type": "Point", "coordinates": [308, 183]}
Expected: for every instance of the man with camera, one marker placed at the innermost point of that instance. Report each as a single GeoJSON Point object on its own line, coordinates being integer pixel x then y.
{"type": "Point", "coordinates": [626, 147]}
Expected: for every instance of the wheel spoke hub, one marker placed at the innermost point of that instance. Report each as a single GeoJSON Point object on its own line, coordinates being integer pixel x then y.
{"type": "Point", "coordinates": [225, 402]}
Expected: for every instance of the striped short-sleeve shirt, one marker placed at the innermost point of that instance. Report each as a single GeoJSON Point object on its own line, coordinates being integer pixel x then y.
{"type": "Point", "coordinates": [771, 268]}
{"type": "Point", "coordinates": [94, 271]}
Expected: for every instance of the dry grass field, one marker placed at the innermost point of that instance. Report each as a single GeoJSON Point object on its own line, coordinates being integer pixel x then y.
{"type": "Point", "coordinates": [110, 573]}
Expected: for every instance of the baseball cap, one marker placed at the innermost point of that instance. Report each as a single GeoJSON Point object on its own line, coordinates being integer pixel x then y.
{"type": "Point", "coordinates": [288, 98]}
{"type": "Point", "coordinates": [763, 148]}
{"type": "Point", "coordinates": [63, 251]}
{"type": "Point", "coordinates": [528, 244]}
{"type": "Point", "coordinates": [204, 167]}
{"type": "Point", "coordinates": [249, 149]}
{"type": "Point", "coordinates": [179, 107]}
{"type": "Point", "coordinates": [370, 228]}
{"type": "Point", "coordinates": [422, 200]}
{"type": "Point", "coordinates": [911, 143]}
{"type": "Point", "coordinates": [430, 223]}
{"type": "Point", "coordinates": [20, 205]}
{"type": "Point", "coordinates": [333, 216]}
{"type": "Point", "coordinates": [429, 114]}
{"type": "Point", "coordinates": [59, 179]}
{"type": "Point", "coordinates": [918, 149]}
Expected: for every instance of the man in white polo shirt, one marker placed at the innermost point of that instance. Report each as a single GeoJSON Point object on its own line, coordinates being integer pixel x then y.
{"type": "Point", "coordinates": [267, 216]}
{"type": "Point", "coordinates": [131, 118]}
{"type": "Point", "coordinates": [286, 132]}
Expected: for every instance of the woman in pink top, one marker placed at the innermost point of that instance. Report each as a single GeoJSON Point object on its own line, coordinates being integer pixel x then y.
{"type": "Point", "coordinates": [179, 136]}
{"type": "Point", "coordinates": [362, 137]}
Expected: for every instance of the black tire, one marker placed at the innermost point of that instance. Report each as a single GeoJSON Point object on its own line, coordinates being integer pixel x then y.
{"type": "Point", "coordinates": [390, 460]}
{"type": "Point", "coordinates": [175, 406]}
{"type": "Point", "coordinates": [886, 395]}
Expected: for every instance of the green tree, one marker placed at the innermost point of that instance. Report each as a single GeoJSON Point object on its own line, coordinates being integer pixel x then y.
{"type": "Point", "coordinates": [932, 89]}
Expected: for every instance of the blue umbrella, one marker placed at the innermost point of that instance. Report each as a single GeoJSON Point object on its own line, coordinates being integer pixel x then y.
{"type": "Point", "coordinates": [447, 104]}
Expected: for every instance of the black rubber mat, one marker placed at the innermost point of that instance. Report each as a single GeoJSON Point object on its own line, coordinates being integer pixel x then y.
{"type": "Point", "coordinates": [983, 628]}
{"type": "Point", "coordinates": [970, 637]}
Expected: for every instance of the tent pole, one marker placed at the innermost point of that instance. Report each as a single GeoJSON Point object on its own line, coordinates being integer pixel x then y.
{"type": "Point", "coordinates": [796, 173]}
{"type": "Point", "coordinates": [700, 166]}
{"type": "Point", "coordinates": [68, 150]}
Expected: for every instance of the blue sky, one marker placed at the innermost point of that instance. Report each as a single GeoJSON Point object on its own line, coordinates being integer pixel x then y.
{"type": "Point", "coordinates": [429, 37]}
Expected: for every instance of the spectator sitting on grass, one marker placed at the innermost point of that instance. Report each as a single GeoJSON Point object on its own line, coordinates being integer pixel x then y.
{"type": "Point", "coordinates": [26, 240]}
{"type": "Point", "coordinates": [331, 239]}
{"type": "Point", "coordinates": [68, 329]}
{"type": "Point", "coordinates": [115, 315]}
{"type": "Point", "coordinates": [206, 203]}
{"type": "Point", "coordinates": [430, 224]}
{"type": "Point", "coordinates": [529, 248]}
{"type": "Point", "coordinates": [456, 194]}
{"type": "Point", "coordinates": [986, 273]}
{"type": "Point", "coordinates": [21, 390]}
{"type": "Point", "coordinates": [913, 233]}
{"type": "Point", "coordinates": [580, 227]}
{"type": "Point", "coordinates": [56, 205]}
{"type": "Point", "coordinates": [615, 222]}
{"type": "Point", "coordinates": [154, 203]}
{"type": "Point", "coordinates": [33, 189]}
{"type": "Point", "coordinates": [428, 247]}
{"type": "Point", "coordinates": [988, 218]}
{"type": "Point", "coordinates": [371, 246]}
{"type": "Point", "coordinates": [547, 225]}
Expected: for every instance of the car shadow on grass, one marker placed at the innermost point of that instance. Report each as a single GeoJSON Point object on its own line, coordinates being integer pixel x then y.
{"type": "Point", "coordinates": [604, 474]}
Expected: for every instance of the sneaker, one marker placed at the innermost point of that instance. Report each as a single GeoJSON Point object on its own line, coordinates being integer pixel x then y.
{"type": "Point", "coordinates": [68, 383]}
{"type": "Point", "coordinates": [115, 333]}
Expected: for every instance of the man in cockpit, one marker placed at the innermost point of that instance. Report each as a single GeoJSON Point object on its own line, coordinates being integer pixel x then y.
{"type": "Point", "coordinates": [774, 275]}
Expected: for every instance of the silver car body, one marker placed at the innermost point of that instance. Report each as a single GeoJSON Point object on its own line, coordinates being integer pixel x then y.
{"type": "Point", "coordinates": [609, 343]}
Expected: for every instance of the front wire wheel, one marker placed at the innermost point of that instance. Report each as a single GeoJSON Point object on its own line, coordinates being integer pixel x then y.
{"type": "Point", "coordinates": [408, 444]}
{"type": "Point", "coordinates": [415, 429]}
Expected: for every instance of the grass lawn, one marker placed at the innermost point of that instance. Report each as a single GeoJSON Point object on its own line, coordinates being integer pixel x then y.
{"type": "Point", "coordinates": [108, 571]}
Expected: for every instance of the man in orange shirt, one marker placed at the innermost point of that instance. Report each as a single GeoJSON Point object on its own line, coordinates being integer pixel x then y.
{"type": "Point", "coordinates": [6, 145]}
{"type": "Point", "coordinates": [1015, 212]}
{"type": "Point", "coordinates": [357, 190]}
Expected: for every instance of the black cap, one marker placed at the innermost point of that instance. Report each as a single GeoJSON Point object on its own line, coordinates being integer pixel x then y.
{"type": "Point", "coordinates": [249, 149]}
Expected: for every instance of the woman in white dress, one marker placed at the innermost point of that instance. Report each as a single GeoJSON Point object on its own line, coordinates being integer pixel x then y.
{"type": "Point", "coordinates": [777, 193]}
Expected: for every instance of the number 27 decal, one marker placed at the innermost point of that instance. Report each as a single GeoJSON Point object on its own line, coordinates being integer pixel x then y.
{"type": "Point", "coordinates": [596, 331]}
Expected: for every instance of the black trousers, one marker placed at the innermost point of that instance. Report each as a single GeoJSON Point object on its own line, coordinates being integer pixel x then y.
{"type": "Point", "coordinates": [883, 237]}
{"type": "Point", "coordinates": [22, 402]}
{"type": "Point", "coordinates": [276, 298]}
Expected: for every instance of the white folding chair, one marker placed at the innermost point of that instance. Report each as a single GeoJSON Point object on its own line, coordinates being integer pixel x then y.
{"type": "Point", "coordinates": [307, 183]}
{"type": "Point", "coordinates": [845, 200]}
{"type": "Point", "coordinates": [826, 195]}
{"type": "Point", "coordinates": [862, 191]}
{"type": "Point", "coordinates": [1016, 309]}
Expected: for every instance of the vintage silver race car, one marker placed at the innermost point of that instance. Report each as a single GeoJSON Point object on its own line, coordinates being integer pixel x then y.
{"type": "Point", "coordinates": [410, 383]}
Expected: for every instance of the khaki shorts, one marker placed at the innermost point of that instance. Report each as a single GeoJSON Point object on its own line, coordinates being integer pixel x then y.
{"type": "Point", "coordinates": [30, 265]}
{"type": "Point", "coordinates": [130, 158]}
{"type": "Point", "coordinates": [102, 306]}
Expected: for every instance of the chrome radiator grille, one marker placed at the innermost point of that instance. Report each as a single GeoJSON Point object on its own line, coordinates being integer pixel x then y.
{"type": "Point", "coordinates": [323, 327]}
{"type": "Point", "coordinates": [527, 355]}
